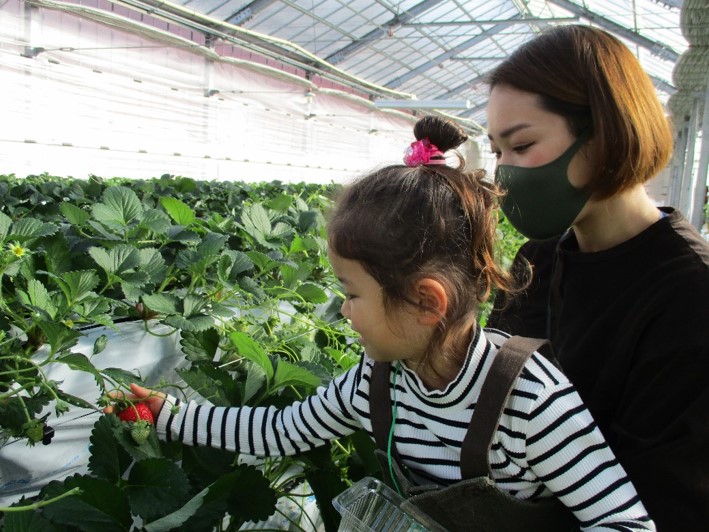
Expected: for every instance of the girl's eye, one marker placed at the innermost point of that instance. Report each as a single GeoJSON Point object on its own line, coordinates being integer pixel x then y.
{"type": "Point", "coordinates": [522, 147]}
{"type": "Point", "coordinates": [496, 153]}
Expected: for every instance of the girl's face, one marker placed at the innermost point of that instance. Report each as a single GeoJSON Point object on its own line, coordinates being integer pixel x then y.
{"type": "Point", "coordinates": [524, 134]}
{"type": "Point", "coordinates": [396, 335]}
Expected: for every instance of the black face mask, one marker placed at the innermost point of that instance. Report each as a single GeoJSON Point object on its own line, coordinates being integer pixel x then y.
{"type": "Point", "coordinates": [540, 202]}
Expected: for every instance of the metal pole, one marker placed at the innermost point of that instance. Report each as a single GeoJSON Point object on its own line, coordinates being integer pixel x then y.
{"type": "Point", "coordinates": [678, 159]}
{"type": "Point", "coordinates": [685, 199]}
{"type": "Point", "coordinates": [696, 213]}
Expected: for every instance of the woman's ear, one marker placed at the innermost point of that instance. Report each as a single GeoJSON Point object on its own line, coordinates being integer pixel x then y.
{"type": "Point", "coordinates": [432, 301]}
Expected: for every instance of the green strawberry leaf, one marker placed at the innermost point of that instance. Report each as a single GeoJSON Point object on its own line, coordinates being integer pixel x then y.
{"type": "Point", "coordinates": [38, 297]}
{"type": "Point", "coordinates": [175, 520]}
{"type": "Point", "coordinates": [59, 336]}
{"type": "Point", "coordinates": [214, 384]}
{"type": "Point", "coordinates": [77, 285]}
{"type": "Point", "coordinates": [150, 448]}
{"type": "Point", "coordinates": [288, 374]}
{"type": "Point", "coordinates": [156, 221]}
{"type": "Point", "coordinates": [153, 264]}
{"type": "Point", "coordinates": [120, 207]}
{"type": "Point", "coordinates": [161, 303]}
{"type": "Point", "coordinates": [121, 376]}
{"type": "Point", "coordinates": [193, 323]}
{"type": "Point", "coordinates": [75, 215]}
{"type": "Point", "coordinates": [104, 234]}
{"type": "Point", "coordinates": [248, 285]}
{"type": "Point", "coordinates": [211, 244]}
{"type": "Point", "coordinates": [156, 487]}
{"type": "Point", "coordinates": [178, 210]}
{"type": "Point", "coordinates": [80, 362]}
{"type": "Point", "coordinates": [108, 460]}
{"type": "Point", "coordinates": [5, 224]}
{"type": "Point", "coordinates": [249, 495]}
{"type": "Point", "coordinates": [204, 465]}
{"type": "Point", "coordinates": [101, 506]}
{"type": "Point", "coordinates": [262, 261]}
{"type": "Point", "coordinates": [200, 345]}
{"type": "Point", "coordinates": [117, 260]}
{"type": "Point", "coordinates": [231, 264]}
{"type": "Point", "coordinates": [27, 228]}
{"type": "Point", "coordinates": [74, 400]}
{"type": "Point", "coordinates": [255, 382]}
{"type": "Point", "coordinates": [178, 233]}
{"type": "Point", "coordinates": [58, 257]}
{"type": "Point", "coordinates": [26, 520]}
{"type": "Point", "coordinates": [312, 293]}
{"type": "Point", "coordinates": [252, 351]}
{"type": "Point", "coordinates": [256, 222]}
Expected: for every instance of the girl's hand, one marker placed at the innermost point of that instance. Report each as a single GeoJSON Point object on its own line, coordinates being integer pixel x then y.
{"type": "Point", "coordinates": [154, 400]}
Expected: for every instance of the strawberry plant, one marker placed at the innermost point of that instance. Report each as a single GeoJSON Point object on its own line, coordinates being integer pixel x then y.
{"type": "Point", "coordinates": [238, 272]}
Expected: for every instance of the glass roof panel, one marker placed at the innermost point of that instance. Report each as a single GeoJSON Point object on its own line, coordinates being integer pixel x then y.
{"type": "Point", "coordinates": [442, 49]}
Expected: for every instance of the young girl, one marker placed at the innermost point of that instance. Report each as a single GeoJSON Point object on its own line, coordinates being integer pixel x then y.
{"type": "Point", "coordinates": [413, 246]}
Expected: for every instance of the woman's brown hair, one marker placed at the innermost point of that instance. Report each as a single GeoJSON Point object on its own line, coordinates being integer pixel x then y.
{"type": "Point", "coordinates": [406, 223]}
{"type": "Point", "coordinates": [593, 80]}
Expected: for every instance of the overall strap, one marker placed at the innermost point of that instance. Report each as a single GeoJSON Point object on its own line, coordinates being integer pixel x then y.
{"type": "Point", "coordinates": [380, 405]}
{"type": "Point", "coordinates": [496, 389]}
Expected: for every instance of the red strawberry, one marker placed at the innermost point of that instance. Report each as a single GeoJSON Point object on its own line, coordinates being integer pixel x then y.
{"type": "Point", "coordinates": [135, 412]}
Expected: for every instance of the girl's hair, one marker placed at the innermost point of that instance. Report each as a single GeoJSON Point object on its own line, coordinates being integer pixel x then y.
{"type": "Point", "coordinates": [406, 223]}
{"type": "Point", "coordinates": [593, 80]}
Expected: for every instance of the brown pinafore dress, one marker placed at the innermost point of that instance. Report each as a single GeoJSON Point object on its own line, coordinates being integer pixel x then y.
{"type": "Point", "coordinates": [475, 504]}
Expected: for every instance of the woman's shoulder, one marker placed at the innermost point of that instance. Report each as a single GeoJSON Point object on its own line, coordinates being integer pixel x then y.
{"type": "Point", "coordinates": [685, 237]}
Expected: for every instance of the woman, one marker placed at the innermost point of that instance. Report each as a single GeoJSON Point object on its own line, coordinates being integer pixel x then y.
{"type": "Point", "coordinates": [623, 294]}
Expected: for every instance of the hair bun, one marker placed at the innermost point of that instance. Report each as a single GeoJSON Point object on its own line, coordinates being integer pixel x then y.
{"type": "Point", "coordinates": [441, 132]}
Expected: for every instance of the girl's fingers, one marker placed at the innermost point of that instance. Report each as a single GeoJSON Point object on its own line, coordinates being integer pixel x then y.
{"type": "Point", "coordinates": [139, 393]}
{"type": "Point", "coordinates": [153, 399]}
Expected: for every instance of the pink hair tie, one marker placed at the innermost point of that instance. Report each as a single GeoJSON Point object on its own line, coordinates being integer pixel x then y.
{"type": "Point", "coordinates": [423, 152]}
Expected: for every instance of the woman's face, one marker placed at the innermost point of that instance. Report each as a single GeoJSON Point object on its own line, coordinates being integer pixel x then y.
{"type": "Point", "coordinates": [524, 134]}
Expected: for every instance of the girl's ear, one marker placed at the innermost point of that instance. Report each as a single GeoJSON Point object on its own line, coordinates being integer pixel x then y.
{"type": "Point", "coordinates": [432, 300]}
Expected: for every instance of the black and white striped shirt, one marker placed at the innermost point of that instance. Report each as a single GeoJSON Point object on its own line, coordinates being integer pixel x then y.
{"type": "Point", "coordinates": [547, 442]}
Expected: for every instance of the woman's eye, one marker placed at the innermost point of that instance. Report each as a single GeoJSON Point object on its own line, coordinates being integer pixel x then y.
{"type": "Point", "coordinates": [496, 153]}
{"type": "Point", "coordinates": [522, 147]}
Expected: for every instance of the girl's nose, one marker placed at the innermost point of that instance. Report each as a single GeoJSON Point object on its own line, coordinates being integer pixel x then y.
{"type": "Point", "coordinates": [345, 309]}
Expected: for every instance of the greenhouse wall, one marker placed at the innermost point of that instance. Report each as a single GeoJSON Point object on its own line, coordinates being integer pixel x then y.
{"type": "Point", "coordinates": [113, 94]}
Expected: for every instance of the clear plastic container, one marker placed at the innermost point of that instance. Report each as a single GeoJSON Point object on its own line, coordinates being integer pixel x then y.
{"type": "Point", "coordinates": [371, 506]}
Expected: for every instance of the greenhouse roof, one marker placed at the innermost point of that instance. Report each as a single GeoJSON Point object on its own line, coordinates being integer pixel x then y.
{"type": "Point", "coordinates": [438, 49]}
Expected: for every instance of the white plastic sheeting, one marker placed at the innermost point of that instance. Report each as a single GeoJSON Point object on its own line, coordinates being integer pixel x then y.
{"type": "Point", "coordinates": [123, 98]}
{"type": "Point", "coordinates": [25, 470]}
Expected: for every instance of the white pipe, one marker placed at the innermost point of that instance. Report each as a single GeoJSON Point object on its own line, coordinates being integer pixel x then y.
{"type": "Point", "coordinates": [685, 199]}
{"type": "Point", "coordinates": [696, 213]}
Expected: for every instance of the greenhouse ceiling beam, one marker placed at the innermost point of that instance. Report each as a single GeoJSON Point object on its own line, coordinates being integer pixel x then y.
{"type": "Point", "coordinates": [676, 4]}
{"type": "Point", "coordinates": [663, 85]}
{"type": "Point", "coordinates": [660, 50]}
{"type": "Point", "coordinates": [449, 53]}
{"type": "Point", "coordinates": [490, 21]}
{"type": "Point", "coordinates": [380, 32]}
{"type": "Point", "coordinates": [473, 110]}
{"type": "Point", "coordinates": [247, 12]}
{"type": "Point", "coordinates": [462, 87]}
{"type": "Point", "coordinates": [282, 50]}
